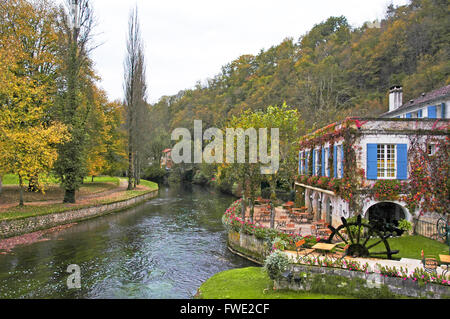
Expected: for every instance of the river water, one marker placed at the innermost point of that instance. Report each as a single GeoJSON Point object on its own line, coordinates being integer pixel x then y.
{"type": "Point", "coordinates": [165, 248]}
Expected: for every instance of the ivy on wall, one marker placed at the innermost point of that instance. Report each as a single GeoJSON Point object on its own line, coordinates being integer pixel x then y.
{"type": "Point", "coordinates": [428, 185]}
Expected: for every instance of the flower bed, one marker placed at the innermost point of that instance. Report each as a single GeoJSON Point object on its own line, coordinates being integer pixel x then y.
{"type": "Point", "coordinates": [419, 275]}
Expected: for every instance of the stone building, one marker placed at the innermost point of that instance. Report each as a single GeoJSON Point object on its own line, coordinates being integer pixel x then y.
{"type": "Point", "coordinates": [432, 105]}
{"type": "Point", "coordinates": [341, 165]}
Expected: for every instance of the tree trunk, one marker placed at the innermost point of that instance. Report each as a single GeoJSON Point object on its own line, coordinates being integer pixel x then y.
{"type": "Point", "coordinates": [21, 191]}
{"type": "Point", "coordinates": [92, 179]}
{"type": "Point", "coordinates": [69, 196]}
{"type": "Point", "coordinates": [130, 168]}
{"type": "Point", "coordinates": [252, 209]}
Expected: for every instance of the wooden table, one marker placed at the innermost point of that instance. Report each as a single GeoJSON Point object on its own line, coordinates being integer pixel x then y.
{"type": "Point", "coordinates": [323, 247]}
{"type": "Point", "coordinates": [445, 259]}
{"type": "Point", "coordinates": [299, 216]}
{"type": "Point", "coordinates": [262, 201]}
{"type": "Point", "coordinates": [264, 214]}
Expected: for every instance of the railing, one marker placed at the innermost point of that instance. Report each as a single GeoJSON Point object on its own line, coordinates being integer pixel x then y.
{"type": "Point", "coordinates": [425, 228]}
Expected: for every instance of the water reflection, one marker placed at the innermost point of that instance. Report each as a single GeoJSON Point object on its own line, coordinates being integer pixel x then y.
{"type": "Point", "coordinates": [164, 248]}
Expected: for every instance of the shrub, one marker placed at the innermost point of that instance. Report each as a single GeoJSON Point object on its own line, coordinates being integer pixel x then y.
{"type": "Point", "coordinates": [404, 225]}
{"type": "Point", "coordinates": [275, 264]}
{"type": "Point", "coordinates": [200, 178]}
{"type": "Point", "coordinates": [354, 229]}
{"type": "Point", "coordinates": [154, 173]}
{"type": "Point", "coordinates": [279, 244]}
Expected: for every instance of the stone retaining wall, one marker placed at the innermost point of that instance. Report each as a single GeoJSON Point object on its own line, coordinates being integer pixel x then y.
{"type": "Point", "coordinates": [247, 246]}
{"type": "Point", "coordinates": [319, 279]}
{"type": "Point", "coordinates": [326, 279]}
{"type": "Point", "coordinates": [17, 227]}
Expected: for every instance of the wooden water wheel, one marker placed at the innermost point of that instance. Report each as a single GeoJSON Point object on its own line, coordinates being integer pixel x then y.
{"type": "Point", "coordinates": [357, 237]}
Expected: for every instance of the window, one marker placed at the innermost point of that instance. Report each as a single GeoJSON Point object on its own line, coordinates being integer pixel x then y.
{"type": "Point", "coordinates": [327, 168]}
{"type": "Point", "coordinates": [303, 163]}
{"type": "Point", "coordinates": [431, 149]}
{"type": "Point", "coordinates": [386, 161]}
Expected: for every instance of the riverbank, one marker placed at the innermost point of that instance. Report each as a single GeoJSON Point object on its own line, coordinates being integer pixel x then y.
{"type": "Point", "coordinates": [251, 283]}
{"type": "Point", "coordinates": [34, 217]}
{"type": "Point", "coordinates": [127, 255]}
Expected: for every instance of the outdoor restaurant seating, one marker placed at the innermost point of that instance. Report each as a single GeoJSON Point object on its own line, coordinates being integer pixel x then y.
{"type": "Point", "coordinates": [299, 246]}
{"type": "Point", "coordinates": [264, 215]}
{"type": "Point", "coordinates": [339, 252]}
{"type": "Point", "coordinates": [430, 264]}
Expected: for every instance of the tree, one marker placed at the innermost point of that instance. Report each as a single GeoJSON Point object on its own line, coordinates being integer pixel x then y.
{"type": "Point", "coordinates": [28, 138]}
{"type": "Point", "coordinates": [135, 101]}
{"type": "Point", "coordinates": [76, 81]}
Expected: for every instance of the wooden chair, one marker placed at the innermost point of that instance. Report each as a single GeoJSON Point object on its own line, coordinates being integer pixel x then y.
{"type": "Point", "coordinates": [430, 264]}
{"type": "Point", "coordinates": [299, 247]}
{"type": "Point", "coordinates": [313, 230]}
{"type": "Point", "coordinates": [324, 232]}
{"type": "Point", "coordinates": [340, 252]}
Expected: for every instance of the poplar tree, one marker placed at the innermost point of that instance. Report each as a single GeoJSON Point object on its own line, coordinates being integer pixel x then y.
{"type": "Point", "coordinates": [136, 108]}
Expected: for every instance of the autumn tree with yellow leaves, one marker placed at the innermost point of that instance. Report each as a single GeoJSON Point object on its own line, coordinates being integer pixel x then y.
{"type": "Point", "coordinates": [28, 136]}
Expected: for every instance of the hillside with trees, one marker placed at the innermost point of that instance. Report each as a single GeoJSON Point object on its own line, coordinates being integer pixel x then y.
{"type": "Point", "coordinates": [331, 72]}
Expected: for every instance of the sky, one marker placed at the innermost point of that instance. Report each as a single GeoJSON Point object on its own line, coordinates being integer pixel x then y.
{"type": "Point", "coordinates": [187, 41]}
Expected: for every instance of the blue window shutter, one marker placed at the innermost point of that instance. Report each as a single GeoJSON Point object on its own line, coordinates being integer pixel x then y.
{"type": "Point", "coordinates": [300, 162]}
{"type": "Point", "coordinates": [314, 162]}
{"type": "Point", "coordinates": [402, 161]}
{"type": "Point", "coordinates": [372, 169]}
{"type": "Point", "coordinates": [335, 161]}
{"type": "Point", "coordinates": [420, 114]}
{"type": "Point", "coordinates": [408, 115]}
{"type": "Point", "coordinates": [323, 161]}
{"type": "Point", "coordinates": [306, 162]}
{"type": "Point", "coordinates": [443, 111]}
{"type": "Point", "coordinates": [432, 112]}
{"type": "Point", "coordinates": [329, 168]}
{"type": "Point", "coordinates": [342, 161]}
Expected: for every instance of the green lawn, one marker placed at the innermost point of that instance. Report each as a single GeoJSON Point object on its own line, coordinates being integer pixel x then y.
{"type": "Point", "coordinates": [411, 247]}
{"type": "Point", "coordinates": [12, 179]}
{"type": "Point", "coordinates": [152, 185]}
{"type": "Point", "coordinates": [17, 212]}
{"type": "Point", "coordinates": [250, 283]}
{"type": "Point", "coordinates": [102, 179]}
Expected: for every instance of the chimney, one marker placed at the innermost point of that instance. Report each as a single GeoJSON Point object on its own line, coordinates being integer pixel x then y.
{"type": "Point", "coordinates": [395, 98]}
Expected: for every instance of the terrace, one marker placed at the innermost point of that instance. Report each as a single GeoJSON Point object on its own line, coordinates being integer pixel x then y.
{"type": "Point", "coordinates": [299, 223]}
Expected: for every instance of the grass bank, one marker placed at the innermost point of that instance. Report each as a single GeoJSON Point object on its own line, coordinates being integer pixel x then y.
{"type": "Point", "coordinates": [250, 283]}
{"type": "Point", "coordinates": [17, 212]}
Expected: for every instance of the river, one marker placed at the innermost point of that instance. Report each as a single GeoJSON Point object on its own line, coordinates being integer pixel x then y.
{"type": "Point", "coordinates": [165, 248]}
